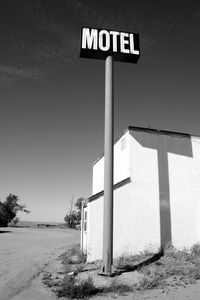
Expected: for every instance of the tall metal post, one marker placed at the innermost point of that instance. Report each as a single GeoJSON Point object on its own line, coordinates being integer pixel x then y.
{"type": "Point", "coordinates": [108, 169]}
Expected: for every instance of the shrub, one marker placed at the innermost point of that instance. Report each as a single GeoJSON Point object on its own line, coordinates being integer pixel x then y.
{"type": "Point", "coordinates": [73, 288]}
{"type": "Point", "coordinates": [116, 287]}
{"type": "Point", "coordinates": [124, 260]}
{"type": "Point", "coordinates": [150, 282]}
{"type": "Point", "coordinates": [154, 276]}
{"type": "Point", "coordinates": [195, 250]}
{"type": "Point", "coordinates": [73, 256]}
{"type": "Point", "coordinates": [127, 260]}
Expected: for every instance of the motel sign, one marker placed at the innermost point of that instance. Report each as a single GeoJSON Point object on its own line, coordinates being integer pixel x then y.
{"type": "Point", "coordinates": [99, 43]}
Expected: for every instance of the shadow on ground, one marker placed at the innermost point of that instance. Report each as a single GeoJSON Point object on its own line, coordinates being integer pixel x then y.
{"type": "Point", "coordinates": [129, 268]}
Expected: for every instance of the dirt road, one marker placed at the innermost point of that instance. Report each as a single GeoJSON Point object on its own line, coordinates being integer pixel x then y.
{"type": "Point", "coordinates": [24, 252]}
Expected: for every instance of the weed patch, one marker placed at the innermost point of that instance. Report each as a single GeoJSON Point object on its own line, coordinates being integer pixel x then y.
{"type": "Point", "coordinates": [125, 260]}
{"type": "Point", "coordinates": [116, 287]}
{"type": "Point", "coordinates": [73, 256]}
{"type": "Point", "coordinates": [149, 283]}
{"type": "Point", "coordinates": [73, 288]}
{"type": "Point", "coordinates": [154, 277]}
{"type": "Point", "coordinates": [173, 269]}
{"type": "Point", "coordinates": [183, 265]}
{"type": "Point", "coordinates": [195, 251]}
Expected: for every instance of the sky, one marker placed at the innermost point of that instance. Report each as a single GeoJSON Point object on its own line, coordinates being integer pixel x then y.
{"type": "Point", "coordinates": [52, 101]}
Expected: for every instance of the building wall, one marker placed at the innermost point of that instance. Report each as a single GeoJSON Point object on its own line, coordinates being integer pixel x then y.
{"type": "Point", "coordinates": [133, 210]}
{"type": "Point", "coordinates": [144, 197]}
{"type": "Point", "coordinates": [84, 228]}
{"type": "Point", "coordinates": [121, 165]}
{"type": "Point", "coordinates": [95, 234]}
{"type": "Point", "coordinates": [161, 203]}
{"type": "Point", "coordinates": [184, 173]}
{"type": "Point", "coordinates": [174, 210]}
{"type": "Point", "coordinates": [95, 230]}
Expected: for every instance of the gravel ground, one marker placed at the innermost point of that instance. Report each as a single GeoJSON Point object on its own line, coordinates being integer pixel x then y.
{"type": "Point", "coordinates": [24, 252]}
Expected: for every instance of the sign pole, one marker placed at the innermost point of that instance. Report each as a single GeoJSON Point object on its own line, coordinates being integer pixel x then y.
{"type": "Point", "coordinates": [108, 168]}
{"type": "Point", "coordinates": [123, 46]}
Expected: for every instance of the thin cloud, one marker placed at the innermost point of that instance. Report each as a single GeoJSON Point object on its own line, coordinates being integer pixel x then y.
{"type": "Point", "coordinates": [18, 72]}
{"type": "Point", "coordinates": [66, 30]}
{"type": "Point", "coordinates": [55, 26]}
{"type": "Point", "coordinates": [4, 80]}
{"type": "Point", "coordinates": [45, 20]}
{"type": "Point", "coordinates": [47, 51]}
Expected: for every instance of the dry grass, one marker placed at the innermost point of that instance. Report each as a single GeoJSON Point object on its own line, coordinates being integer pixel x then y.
{"type": "Point", "coordinates": [73, 256]}
{"type": "Point", "coordinates": [116, 287]}
{"type": "Point", "coordinates": [174, 268]}
{"type": "Point", "coordinates": [75, 289]}
{"type": "Point", "coordinates": [183, 266]}
{"type": "Point", "coordinates": [127, 260]}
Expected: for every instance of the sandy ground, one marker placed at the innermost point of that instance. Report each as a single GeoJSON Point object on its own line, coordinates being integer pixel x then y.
{"type": "Point", "coordinates": [24, 252]}
{"type": "Point", "coordinates": [175, 291]}
{"type": "Point", "coordinates": [191, 292]}
{"type": "Point", "coordinates": [27, 254]}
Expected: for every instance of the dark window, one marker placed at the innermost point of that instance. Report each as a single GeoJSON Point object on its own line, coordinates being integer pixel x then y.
{"type": "Point", "coordinates": [85, 221]}
{"type": "Point", "coordinates": [85, 226]}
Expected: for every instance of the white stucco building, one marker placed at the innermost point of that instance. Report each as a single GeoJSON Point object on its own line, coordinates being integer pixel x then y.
{"type": "Point", "coordinates": [156, 194]}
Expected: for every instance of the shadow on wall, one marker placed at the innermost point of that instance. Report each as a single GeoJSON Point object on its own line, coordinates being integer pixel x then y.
{"type": "Point", "coordinates": [164, 142]}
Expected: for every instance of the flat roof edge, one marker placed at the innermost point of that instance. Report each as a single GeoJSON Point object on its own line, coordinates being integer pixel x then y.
{"type": "Point", "coordinates": [148, 129]}
{"type": "Point", "coordinates": [115, 186]}
{"type": "Point", "coordinates": [158, 130]}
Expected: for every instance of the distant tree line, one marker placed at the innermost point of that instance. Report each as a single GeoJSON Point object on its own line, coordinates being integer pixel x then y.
{"type": "Point", "coordinates": [73, 218]}
{"type": "Point", "coordinates": [9, 209]}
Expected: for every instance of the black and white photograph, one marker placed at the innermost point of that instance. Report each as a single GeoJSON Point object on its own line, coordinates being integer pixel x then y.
{"type": "Point", "coordinates": [99, 149]}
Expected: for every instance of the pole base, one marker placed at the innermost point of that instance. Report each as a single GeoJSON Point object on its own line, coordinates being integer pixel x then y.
{"type": "Point", "coordinates": [114, 272]}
